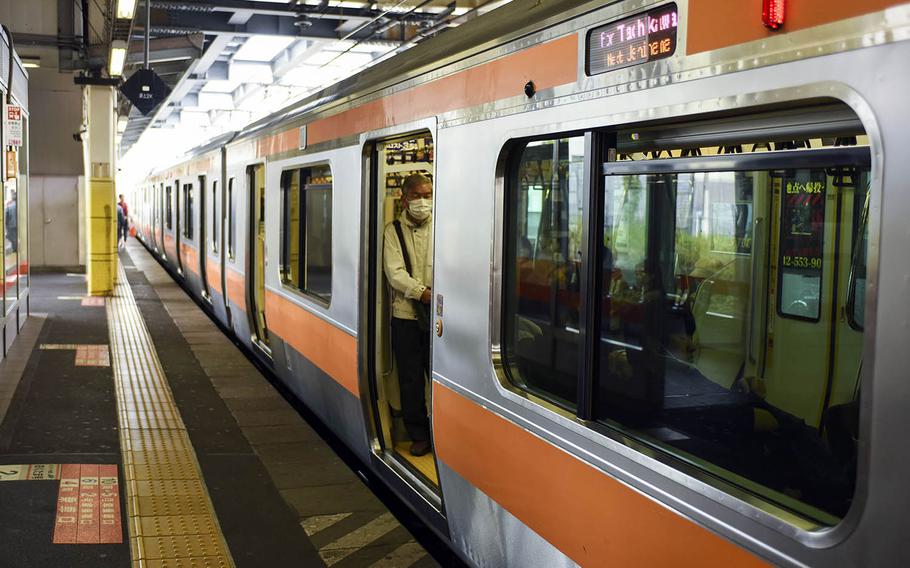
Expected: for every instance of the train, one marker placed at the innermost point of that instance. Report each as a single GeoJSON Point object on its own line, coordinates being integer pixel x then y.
{"type": "Point", "coordinates": [15, 292]}
{"type": "Point", "coordinates": [669, 299]}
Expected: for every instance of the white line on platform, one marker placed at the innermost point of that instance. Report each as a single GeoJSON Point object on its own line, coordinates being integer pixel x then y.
{"type": "Point", "coordinates": [405, 555]}
{"type": "Point", "coordinates": [337, 550]}
{"type": "Point", "coordinates": [313, 525]}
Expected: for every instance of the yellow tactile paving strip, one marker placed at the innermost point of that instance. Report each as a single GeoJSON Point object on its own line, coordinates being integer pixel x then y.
{"type": "Point", "coordinates": [172, 523]}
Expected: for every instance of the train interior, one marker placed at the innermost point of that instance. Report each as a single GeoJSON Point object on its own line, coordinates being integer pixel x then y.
{"type": "Point", "coordinates": [732, 285]}
{"type": "Point", "coordinates": [307, 244]}
{"type": "Point", "coordinates": [395, 160]}
{"type": "Point", "coordinates": [257, 248]}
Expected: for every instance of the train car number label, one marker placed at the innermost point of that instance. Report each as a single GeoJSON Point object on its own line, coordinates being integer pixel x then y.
{"type": "Point", "coordinates": [638, 39]}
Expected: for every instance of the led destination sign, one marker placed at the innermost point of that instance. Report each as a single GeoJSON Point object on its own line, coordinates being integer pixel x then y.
{"type": "Point", "coordinates": [638, 39]}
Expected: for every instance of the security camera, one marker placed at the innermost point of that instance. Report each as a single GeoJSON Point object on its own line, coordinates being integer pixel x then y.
{"type": "Point", "coordinates": [77, 136]}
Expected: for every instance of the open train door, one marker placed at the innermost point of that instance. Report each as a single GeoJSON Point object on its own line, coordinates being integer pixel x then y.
{"type": "Point", "coordinates": [257, 258]}
{"type": "Point", "coordinates": [390, 404]}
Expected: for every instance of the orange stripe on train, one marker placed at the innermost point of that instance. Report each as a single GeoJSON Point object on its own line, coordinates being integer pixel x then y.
{"type": "Point", "coordinates": [236, 283]}
{"type": "Point", "coordinates": [548, 65]}
{"type": "Point", "coordinates": [190, 258]}
{"type": "Point", "coordinates": [329, 348]}
{"type": "Point", "coordinates": [213, 274]}
{"type": "Point", "coordinates": [591, 517]}
{"type": "Point", "coordinates": [714, 24]}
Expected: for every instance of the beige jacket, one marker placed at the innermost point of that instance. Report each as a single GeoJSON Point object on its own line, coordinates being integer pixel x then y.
{"type": "Point", "coordinates": [419, 242]}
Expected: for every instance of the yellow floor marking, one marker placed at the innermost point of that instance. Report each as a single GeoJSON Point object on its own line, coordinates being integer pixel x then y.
{"type": "Point", "coordinates": [171, 519]}
{"type": "Point", "coordinates": [425, 464]}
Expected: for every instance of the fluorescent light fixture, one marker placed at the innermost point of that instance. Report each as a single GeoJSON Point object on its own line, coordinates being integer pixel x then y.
{"type": "Point", "coordinates": [31, 62]}
{"type": "Point", "coordinates": [121, 124]}
{"type": "Point", "coordinates": [126, 9]}
{"type": "Point", "coordinates": [118, 58]}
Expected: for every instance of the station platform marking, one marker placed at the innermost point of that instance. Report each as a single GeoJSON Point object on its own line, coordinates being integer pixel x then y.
{"type": "Point", "coordinates": [86, 301]}
{"type": "Point", "coordinates": [93, 356]}
{"type": "Point", "coordinates": [88, 505]}
{"type": "Point", "coordinates": [363, 536]}
{"type": "Point", "coordinates": [170, 517]}
{"type": "Point", "coordinates": [30, 472]}
{"type": "Point", "coordinates": [87, 355]}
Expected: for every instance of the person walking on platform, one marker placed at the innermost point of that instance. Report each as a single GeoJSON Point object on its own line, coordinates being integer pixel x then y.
{"type": "Point", "coordinates": [120, 217]}
{"type": "Point", "coordinates": [408, 263]}
{"type": "Point", "coordinates": [123, 222]}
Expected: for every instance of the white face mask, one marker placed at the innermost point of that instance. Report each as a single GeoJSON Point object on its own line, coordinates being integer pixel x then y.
{"type": "Point", "coordinates": [420, 209]}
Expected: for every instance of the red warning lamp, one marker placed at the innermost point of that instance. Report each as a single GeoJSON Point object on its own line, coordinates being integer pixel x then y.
{"type": "Point", "coordinates": [772, 13]}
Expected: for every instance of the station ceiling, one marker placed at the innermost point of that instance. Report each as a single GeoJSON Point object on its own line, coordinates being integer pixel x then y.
{"type": "Point", "coordinates": [229, 62]}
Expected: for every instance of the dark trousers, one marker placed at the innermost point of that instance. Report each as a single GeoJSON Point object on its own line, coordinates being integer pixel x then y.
{"type": "Point", "coordinates": [123, 231]}
{"type": "Point", "coordinates": [412, 356]}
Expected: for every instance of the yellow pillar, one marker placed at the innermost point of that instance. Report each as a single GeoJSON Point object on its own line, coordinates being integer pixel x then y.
{"type": "Point", "coordinates": [101, 267]}
{"type": "Point", "coordinates": [101, 202]}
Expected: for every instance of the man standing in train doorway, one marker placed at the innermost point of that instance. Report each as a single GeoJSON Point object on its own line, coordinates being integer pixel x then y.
{"type": "Point", "coordinates": [408, 259]}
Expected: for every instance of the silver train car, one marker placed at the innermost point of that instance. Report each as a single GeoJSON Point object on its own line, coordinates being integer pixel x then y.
{"type": "Point", "coordinates": [670, 292]}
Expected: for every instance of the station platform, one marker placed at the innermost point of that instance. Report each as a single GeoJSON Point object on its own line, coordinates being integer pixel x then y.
{"type": "Point", "coordinates": [133, 432]}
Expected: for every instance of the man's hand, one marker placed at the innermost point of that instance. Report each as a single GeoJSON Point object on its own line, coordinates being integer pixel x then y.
{"type": "Point", "coordinates": [426, 296]}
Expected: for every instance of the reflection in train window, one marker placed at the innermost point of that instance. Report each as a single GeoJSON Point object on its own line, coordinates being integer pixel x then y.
{"type": "Point", "coordinates": [540, 322]}
{"type": "Point", "coordinates": [688, 363]}
{"type": "Point", "coordinates": [722, 324]}
{"type": "Point", "coordinates": [306, 230]}
{"type": "Point", "coordinates": [856, 310]}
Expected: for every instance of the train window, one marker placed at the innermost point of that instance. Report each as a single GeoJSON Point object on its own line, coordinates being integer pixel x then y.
{"type": "Point", "coordinates": [306, 230]}
{"type": "Point", "coordinates": [230, 219]}
{"type": "Point", "coordinates": [215, 216]}
{"type": "Point", "coordinates": [722, 325]}
{"type": "Point", "coordinates": [857, 284]}
{"type": "Point", "coordinates": [169, 208]}
{"type": "Point", "coordinates": [188, 216]}
{"type": "Point", "coordinates": [688, 364]}
{"type": "Point", "coordinates": [540, 318]}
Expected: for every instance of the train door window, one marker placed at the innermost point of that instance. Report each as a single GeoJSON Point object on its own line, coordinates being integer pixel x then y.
{"type": "Point", "coordinates": [231, 221]}
{"type": "Point", "coordinates": [306, 231]}
{"type": "Point", "coordinates": [540, 322]}
{"type": "Point", "coordinates": [403, 174]}
{"type": "Point", "coordinates": [180, 209]}
{"type": "Point", "coordinates": [188, 211]}
{"type": "Point", "coordinates": [201, 241]}
{"type": "Point", "coordinates": [215, 214]}
{"type": "Point", "coordinates": [169, 208]}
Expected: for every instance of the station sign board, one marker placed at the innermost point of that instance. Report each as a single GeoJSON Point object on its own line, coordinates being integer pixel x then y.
{"type": "Point", "coordinates": [12, 125]}
{"type": "Point", "coordinates": [145, 90]}
{"type": "Point", "coordinates": [641, 38]}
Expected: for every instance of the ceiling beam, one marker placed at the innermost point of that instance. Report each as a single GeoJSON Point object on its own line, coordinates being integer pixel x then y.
{"type": "Point", "coordinates": [285, 10]}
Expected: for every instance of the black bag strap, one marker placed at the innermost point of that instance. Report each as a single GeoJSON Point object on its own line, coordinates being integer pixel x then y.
{"type": "Point", "coordinates": [404, 249]}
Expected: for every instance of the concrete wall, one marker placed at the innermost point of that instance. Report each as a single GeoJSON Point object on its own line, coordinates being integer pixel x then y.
{"type": "Point", "coordinates": [56, 161]}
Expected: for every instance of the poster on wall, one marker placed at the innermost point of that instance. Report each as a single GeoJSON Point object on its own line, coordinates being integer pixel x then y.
{"type": "Point", "coordinates": [12, 125]}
